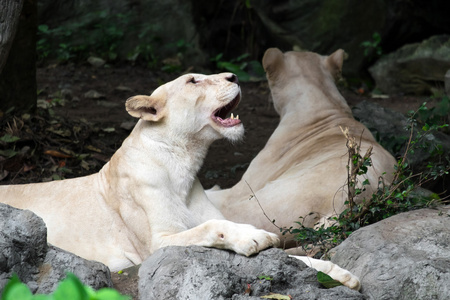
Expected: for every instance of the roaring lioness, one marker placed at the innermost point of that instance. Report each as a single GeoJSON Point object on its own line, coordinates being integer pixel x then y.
{"type": "Point", "coordinates": [148, 196]}
{"type": "Point", "coordinates": [303, 167]}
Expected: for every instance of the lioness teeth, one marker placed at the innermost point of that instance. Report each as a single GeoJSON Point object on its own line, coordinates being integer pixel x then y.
{"type": "Point", "coordinates": [232, 117]}
{"type": "Point", "coordinates": [237, 117]}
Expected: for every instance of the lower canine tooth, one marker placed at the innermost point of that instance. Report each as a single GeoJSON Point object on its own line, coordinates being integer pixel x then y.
{"type": "Point", "coordinates": [232, 117]}
{"type": "Point", "coordinates": [237, 117]}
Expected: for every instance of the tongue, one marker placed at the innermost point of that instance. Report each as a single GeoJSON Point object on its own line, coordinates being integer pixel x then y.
{"type": "Point", "coordinates": [228, 122]}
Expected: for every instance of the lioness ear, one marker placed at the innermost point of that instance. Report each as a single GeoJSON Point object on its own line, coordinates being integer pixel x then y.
{"type": "Point", "coordinates": [273, 62]}
{"type": "Point", "coordinates": [334, 63]}
{"type": "Point", "coordinates": [149, 108]}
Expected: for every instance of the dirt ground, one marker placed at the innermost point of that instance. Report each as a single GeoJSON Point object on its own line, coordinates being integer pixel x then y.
{"type": "Point", "coordinates": [84, 121]}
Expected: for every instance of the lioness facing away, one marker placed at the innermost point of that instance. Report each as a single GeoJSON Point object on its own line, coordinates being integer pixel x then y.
{"type": "Point", "coordinates": [148, 196]}
{"type": "Point", "coordinates": [303, 167]}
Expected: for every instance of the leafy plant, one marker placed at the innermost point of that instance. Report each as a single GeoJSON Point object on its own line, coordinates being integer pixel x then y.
{"type": "Point", "coordinates": [245, 70]}
{"type": "Point", "coordinates": [403, 194]}
{"type": "Point", "coordinates": [98, 34]}
{"type": "Point", "coordinates": [265, 277]}
{"type": "Point", "coordinates": [69, 288]}
{"type": "Point", "coordinates": [400, 196]}
{"type": "Point", "coordinates": [373, 47]}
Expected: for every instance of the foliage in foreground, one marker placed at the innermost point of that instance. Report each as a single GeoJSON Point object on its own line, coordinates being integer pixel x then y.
{"type": "Point", "coordinates": [69, 288]}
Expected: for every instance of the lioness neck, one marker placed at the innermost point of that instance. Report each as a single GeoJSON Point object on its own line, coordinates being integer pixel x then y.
{"type": "Point", "coordinates": [313, 103]}
{"type": "Point", "coordinates": [180, 156]}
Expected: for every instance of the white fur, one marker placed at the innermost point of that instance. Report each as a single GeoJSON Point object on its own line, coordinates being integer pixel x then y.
{"type": "Point", "coordinates": [302, 170]}
{"type": "Point", "coordinates": [148, 196]}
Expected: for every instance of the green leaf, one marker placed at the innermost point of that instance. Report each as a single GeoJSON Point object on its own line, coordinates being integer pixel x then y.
{"type": "Point", "coordinates": [15, 289]}
{"type": "Point", "coordinates": [43, 28]}
{"type": "Point", "coordinates": [276, 296]}
{"type": "Point", "coordinates": [43, 297]}
{"type": "Point", "coordinates": [8, 153]}
{"type": "Point", "coordinates": [70, 288]}
{"type": "Point", "coordinates": [327, 281]}
{"type": "Point", "coordinates": [7, 138]}
{"type": "Point", "coordinates": [109, 294]}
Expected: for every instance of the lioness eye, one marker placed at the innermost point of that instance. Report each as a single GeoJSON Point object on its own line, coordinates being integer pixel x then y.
{"type": "Point", "coordinates": [192, 80]}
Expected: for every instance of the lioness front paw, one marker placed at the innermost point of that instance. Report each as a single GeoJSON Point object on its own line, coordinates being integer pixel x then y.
{"type": "Point", "coordinates": [247, 240]}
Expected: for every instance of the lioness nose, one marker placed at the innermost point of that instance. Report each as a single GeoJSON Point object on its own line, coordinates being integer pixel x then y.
{"type": "Point", "coordinates": [233, 78]}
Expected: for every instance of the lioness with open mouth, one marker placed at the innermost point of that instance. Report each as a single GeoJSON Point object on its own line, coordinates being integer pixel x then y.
{"type": "Point", "coordinates": [148, 196]}
{"type": "Point", "coordinates": [302, 170]}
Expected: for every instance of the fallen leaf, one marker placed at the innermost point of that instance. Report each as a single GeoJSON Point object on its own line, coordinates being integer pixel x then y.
{"type": "Point", "coordinates": [248, 290]}
{"type": "Point", "coordinates": [92, 148]}
{"type": "Point", "coordinates": [277, 296]}
{"type": "Point", "coordinates": [85, 165]}
{"type": "Point", "coordinates": [109, 129]}
{"type": "Point", "coordinates": [61, 132]}
{"type": "Point", "coordinates": [68, 151]}
{"type": "Point", "coordinates": [27, 168]}
{"type": "Point", "coordinates": [55, 153]}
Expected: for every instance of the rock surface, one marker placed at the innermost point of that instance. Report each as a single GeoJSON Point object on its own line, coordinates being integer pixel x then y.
{"type": "Point", "coordinates": [387, 126]}
{"type": "Point", "coordinates": [406, 256]}
{"type": "Point", "coordinates": [24, 251]}
{"type": "Point", "coordinates": [415, 68]}
{"type": "Point", "coordinates": [206, 273]}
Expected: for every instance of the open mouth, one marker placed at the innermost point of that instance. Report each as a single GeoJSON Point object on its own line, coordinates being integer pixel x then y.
{"type": "Point", "coordinates": [220, 115]}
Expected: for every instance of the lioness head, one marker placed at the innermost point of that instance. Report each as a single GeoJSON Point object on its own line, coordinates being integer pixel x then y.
{"type": "Point", "coordinates": [292, 73]}
{"type": "Point", "coordinates": [193, 105]}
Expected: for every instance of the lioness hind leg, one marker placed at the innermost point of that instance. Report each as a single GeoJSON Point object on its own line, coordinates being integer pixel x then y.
{"type": "Point", "coordinates": [333, 270]}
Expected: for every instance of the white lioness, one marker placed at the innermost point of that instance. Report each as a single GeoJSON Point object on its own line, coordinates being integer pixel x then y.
{"type": "Point", "coordinates": [148, 195]}
{"type": "Point", "coordinates": [303, 167]}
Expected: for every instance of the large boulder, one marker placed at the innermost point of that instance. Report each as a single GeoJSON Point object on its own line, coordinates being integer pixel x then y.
{"type": "Point", "coordinates": [206, 273]}
{"type": "Point", "coordinates": [24, 251]}
{"type": "Point", "coordinates": [414, 68]}
{"type": "Point", "coordinates": [406, 256]}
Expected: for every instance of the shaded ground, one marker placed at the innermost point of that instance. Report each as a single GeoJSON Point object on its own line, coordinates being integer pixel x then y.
{"type": "Point", "coordinates": [79, 129]}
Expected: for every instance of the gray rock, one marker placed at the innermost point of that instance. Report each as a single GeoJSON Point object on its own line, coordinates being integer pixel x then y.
{"type": "Point", "coordinates": [206, 273]}
{"type": "Point", "coordinates": [388, 126]}
{"type": "Point", "coordinates": [406, 256]}
{"type": "Point", "coordinates": [93, 94]}
{"type": "Point", "coordinates": [23, 244]}
{"type": "Point", "coordinates": [58, 262]}
{"type": "Point", "coordinates": [415, 68]}
{"type": "Point", "coordinates": [447, 83]}
{"type": "Point", "coordinates": [24, 251]}
{"type": "Point", "coordinates": [96, 62]}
